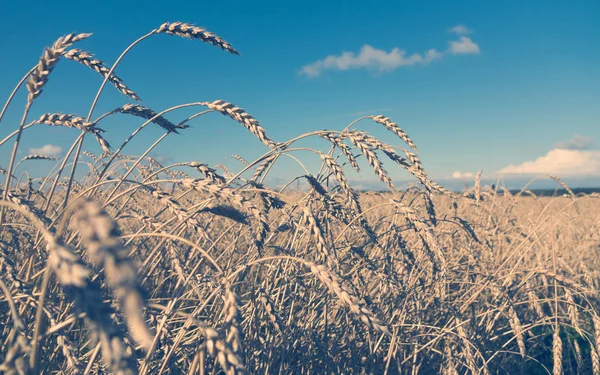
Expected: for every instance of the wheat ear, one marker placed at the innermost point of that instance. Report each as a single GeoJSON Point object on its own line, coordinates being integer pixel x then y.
{"type": "Point", "coordinates": [186, 30]}
{"type": "Point", "coordinates": [49, 59]}
{"type": "Point", "coordinates": [241, 116]}
{"type": "Point", "coordinates": [98, 66]}
{"type": "Point", "coordinates": [100, 235]}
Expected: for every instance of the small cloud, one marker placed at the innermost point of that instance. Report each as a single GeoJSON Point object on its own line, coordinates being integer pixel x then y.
{"type": "Point", "coordinates": [560, 162]}
{"type": "Point", "coordinates": [462, 175]}
{"type": "Point", "coordinates": [576, 143]}
{"type": "Point", "coordinates": [379, 60]}
{"type": "Point", "coordinates": [46, 150]}
{"type": "Point", "coordinates": [371, 58]}
{"type": "Point", "coordinates": [162, 159]}
{"type": "Point", "coordinates": [460, 30]}
{"type": "Point", "coordinates": [464, 46]}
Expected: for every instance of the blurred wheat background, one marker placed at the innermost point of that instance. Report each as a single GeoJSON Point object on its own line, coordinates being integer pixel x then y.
{"type": "Point", "coordinates": [114, 263]}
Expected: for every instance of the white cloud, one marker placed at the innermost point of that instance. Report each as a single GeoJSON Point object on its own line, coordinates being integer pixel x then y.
{"type": "Point", "coordinates": [460, 30]}
{"type": "Point", "coordinates": [46, 150]}
{"type": "Point", "coordinates": [578, 142]}
{"type": "Point", "coordinates": [464, 46]}
{"type": "Point", "coordinates": [380, 60]}
{"type": "Point", "coordinates": [462, 175]}
{"type": "Point", "coordinates": [560, 162]}
{"type": "Point", "coordinates": [371, 58]}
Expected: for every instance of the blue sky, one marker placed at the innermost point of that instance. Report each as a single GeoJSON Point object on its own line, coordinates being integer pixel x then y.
{"type": "Point", "coordinates": [517, 92]}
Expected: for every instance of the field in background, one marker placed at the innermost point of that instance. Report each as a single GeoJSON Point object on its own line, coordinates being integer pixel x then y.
{"type": "Point", "coordinates": [139, 267]}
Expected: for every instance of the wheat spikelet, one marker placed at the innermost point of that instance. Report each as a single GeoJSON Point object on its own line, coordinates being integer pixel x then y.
{"type": "Point", "coordinates": [233, 320]}
{"type": "Point", "coordinates": [175, 208]}
{"type": "Point", "coordinates": [208, 172]}
{"type": "Point", "coordinates": [38, 157]}
{"type": "Point", "coordinates": [449, 365]}
{"type": "Point", "coordinates": [430, 206]}
{"type": "Point", "coordinates": [14, 362]}
{"type": "Point", "coordinates": [74, 121]}
{"type": "Point", "coordinates": [359, 141]}
{"type": "Point", "coordinates": [241, 116]}
{"type": "Point", "coordinates": [241, 159]}
{"type": "Point", "coordinates": [316, 185]}
{"type": "Point", "coordinates": [436, 187]}
{"type": "Point", "coordinates": [376, 144]}
{"type": "Point", "coordinates": [356, 306]}
{"type": "Point", "coordinates": [98, 66]}
{"type": "Point", "coordinates": [517, 329]}
{"type": "Point", "coordinates": [529, 193]}
{"type": "Point", "coordinates": [534, 301]}
{"type": "Point", "coordinates": [73, 276]}
{"type": "Point", "coordinates": [416, 169]}
{"type": "Point", "coordinates": [10, 273]}
{"type": "Point", "coordinates": [577, 352]}
{"type": "Point", "coordinates": [227, 358]}
{"type": "Point", "coordinates": [153, 225]}
{"type": "Point", "coordinates": [29, 207]}
{"type": "Point", "coordinates": [587, 276]}
{"type": "Point", "coordinates": [49, 59]}
{"type": "Point", "coordinates": [186, 30]}
{"type": "Point", "coordinates": [175, 174]}
{"type": "Point", "coordinates": [269, 200]}
{"type": "Point", "coordinates": [317, 234]}
{"type": "Point", "coordinates": [148, 114]}
{"type": "Point", "coordinates": [414, 160]}
{"type": "Point", "coordinates": [226, 172]}
{"type": "Point", "coordinates": [100, 235]}
{"type": "Point", "coordinates": [467, 352]}
{"type": "Point", "coordinates": [91, 156]}
{"type": "Point", "coordinates": [263, 167]}
{"type": "Point", "coordinates": [221, 191]}
{"type": "Point", "coordinates": [226, 211]}
{"type": "Point", "coordinates": [595, 358]}
{"type": "Point", "coordinates": [344, 148]}
{"type": "Point", "coordinates": [572, 311]}
{"type": "Point", "coordinates": [69, 121]}
{"type": "Point", "coordinates": [68, 349]}
{"type": "Point", "coordinates": [332, 206]}
{"type": "Point", "coordinates": [596, 324]}
{"type": "Point", "coordinates": [74, 184]}
{"type": "Point", "coordinates": [572, 284]}
{"type": "Point", "coordinates": [557, 352]}
{"type": "Point", "coordinates": [336, 170]}
{"type": "Point", "coordinates": [413, 166]}
{"type": "Point", "coordinates": [268, 306]}
{"type": "Point", "coordinates": [477, 187]}
{"type": "Point", "coordinates": [565, 186]}
{"type": "Point", "coordinates": [394, 128]}
{"type": "Point", "coordinates": [432, 245]}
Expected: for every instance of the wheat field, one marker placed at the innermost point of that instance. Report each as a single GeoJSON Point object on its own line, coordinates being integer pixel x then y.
{"type": "Point", "coordinates": [118, 264]}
